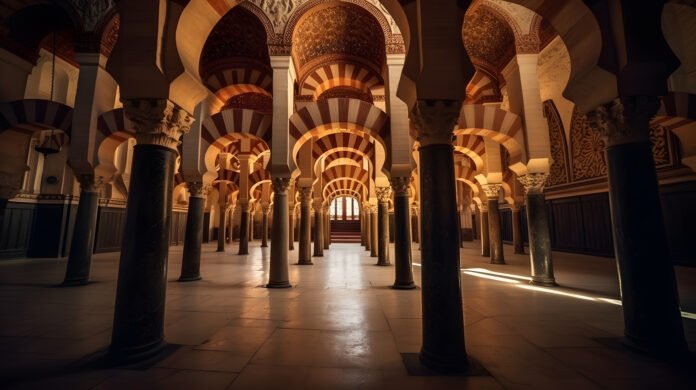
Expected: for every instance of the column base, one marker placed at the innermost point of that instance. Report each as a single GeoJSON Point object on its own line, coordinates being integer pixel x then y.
{"type": "Point", "coordinates": [383, 264]}
{"type": "Point", "coordinates": [279, 285]}
{"type": "Point", "coordinates": [305, 263]}
{"type": "Point", "coordinates": [537, 281]}
{"type": "Point", "coordinates": [191, 278]}
{"type": "Point", "coordinates": [243, 253]}
{"type": "Point", "coordinates": [264, 246]}
{"type": "Point", "coordinates": [136, 354]}
{"type": "Point", "coordinates": [455, 365]}
{"type": "Point", "coordinates": [497, 262]}
{"type": "Point", "coordinates": [74, 283]}
{"type": "Point", "coordinates": [403, 286]}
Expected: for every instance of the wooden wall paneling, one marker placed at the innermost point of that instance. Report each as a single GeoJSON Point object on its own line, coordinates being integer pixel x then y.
{"type": "Point", "coordinates": [679, 211]}
{"type": "Point", "coordinates": [15, 230]}
{"type": "Point", "coordinates": [110, 224]}
{"type": "Point", "coordinates": [566, 221]}
{"type": "Point", "coordinates": [597, 229]}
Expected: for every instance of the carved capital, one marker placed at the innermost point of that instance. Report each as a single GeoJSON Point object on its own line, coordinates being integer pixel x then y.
{"type": "Point", "coordinates": [383, 194]}
{"type": "Point", "coordinates": [483, 207]}
{"type": "Point", "coordinates": [157, 121]}
{"type": "Point", "coordinates": [435, 120]}
{"type": "Point", "coordinates": [400, 185]}
{"type": "Point", "coordinates": [305, 195]}
{"type": "Point", "coordinates": [198, 189]}
{"type": "Point", "coordinates": [492, 191]}
{"type": "Point", "coordinates": [534, 183]}
{"type": "Point", "coordinates": [281, 184]}
{"type": "Point", "coordinates": [625, 120]}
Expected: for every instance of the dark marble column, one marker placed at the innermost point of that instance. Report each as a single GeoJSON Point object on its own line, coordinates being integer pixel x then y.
{"type": "Point", "coordinates": [138, 328]}
{"type": "Point", "coordinates": [191, 258]}
{"type": "Point", "coordinates": [367, 210]}
{"type": "Point", "coordinates": [82, 245]}
{"type": "Point", "coordinates": [443, 346]}
{"type": "Point", "coordinates": [244, 228]}
{"type": "Point", "coordinates": [517, 239]}
{"type": "Point", "coordinates": [383, 194]}
{"type": "Point", "coordinates": [278, 272]}
{"type": "Point", "coordinates": [318, 231]}
{"type": "Point", "coordinates": [402, 235]}
{"type": "Point", "coordinates": [495, 232]}
{"type": "Point", "coordinates": [415, 223]}
{"type": "Point", "coordinates": [649, 294]}
{"type": "Point", "coordinates": [291, 228]}
{"type": "Point", "coordinates": [374, 232]}
{"type": "Point", "coordinates": [539, 231]}
{"type": "Point", "coordinates": [327, 227]}
{"type": "Point", "coordinates": [221, 220]}
{"type": "Point", "coordinates": [485, 241]}
{"type": "Point", "coordinates": [305, 255]}
{"type": "Point", "coordinates": [264, 225]}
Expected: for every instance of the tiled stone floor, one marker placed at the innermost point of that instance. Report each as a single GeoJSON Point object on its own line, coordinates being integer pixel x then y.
{"type": "Point", "coordinates": [339, 327]}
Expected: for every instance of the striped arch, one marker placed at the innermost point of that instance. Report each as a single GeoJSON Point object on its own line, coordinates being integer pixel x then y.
{"type": "Point", "coordinates": [343, 143]}
{"type": "Point", "coordinates": [31, 115]}
{"type": "Point", "coordinates": [498, 125]}
{"type": "Point", "coordinates": [113, 129]}
{"type": "Point", "coordinates": [327, 76]}
{"type": "Point", "coordinates": [258, 148]}
{"type": "Point", "coordinates": [471, 146]}
{"type": "Point", "coordinates": [344, 184]}
{"type": "Point", "coordinates": [238, 80]}
{"type": "Point", "coordinates": [343, 155]}
{"type": "Point", "coordinates": [347, 172]}
{"type": "Point", "coordinates": [58, 138]}
{"type": "Point", "coordinates": [338, 115]}
{"type": "Point", "coordinates": [677, 114]}
{"type": "Point", "coordinates": [338, 193]}
{"type": "Point", "coordinates": [259, 176]}
{"type": "Point", "coordinates": [221, 129]}
{"type": "Point", "coordinates": [482, 89]}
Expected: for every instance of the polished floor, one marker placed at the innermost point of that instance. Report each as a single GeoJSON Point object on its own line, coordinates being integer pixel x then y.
{"type": "Point", "coordinates": [340, 327]}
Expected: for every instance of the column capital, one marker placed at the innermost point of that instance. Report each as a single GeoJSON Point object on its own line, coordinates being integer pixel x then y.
{"type": "Point", "coordinates": [305, 195]}
{"type": "Point", "coordinates": [383, 194]}
{"type": "Point", "coordinates": [198, 189]}
{"type": "Point", "coordinates": [157, 121]}
{"type": "Point", "coordinates": [492, 191]}
{"type": "Point", "coordinates": [435, 120]}
{"type": "Point", "coordinates": [281, 184]}
{"type": "Point", "coordinates": [625, 120]}
{"type": "Point", "coordinates": [89, 183]}
{"type": "Point", "coordinates": [400, 185]}
{"type": "Point", "coordinates": [533, 183]}
{"type": "Point", "coordinates": [244, 205]}
{"type": "Point", "coordinates": [483, 207]}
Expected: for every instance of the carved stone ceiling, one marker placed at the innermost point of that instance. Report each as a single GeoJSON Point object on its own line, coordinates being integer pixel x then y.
{"type": "Point", "coordinates": [338, 30]}
{"type": "Point", "coordinates": [488, 39]}
{"type": "Point", "coordinates": [239, 34]}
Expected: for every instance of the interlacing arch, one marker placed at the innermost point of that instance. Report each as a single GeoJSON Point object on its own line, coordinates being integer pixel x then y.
{"type": "Point", "coordinates": [343, 143]}
{"type": "Point", "coordinates": [501, 126]}
{"type": "Point", "coordinates": [336, 115]}
{"type": "Point", "coordinates": [472, 147]}
{"type": "Point", "coordinates": [258, 177]}
{"type": "Point", "coordinates": [326, 76]}
{"type": "Point", "coordinates": [113, 129]}
{"type": "Point", "coordinates": [31, 115]}
{"type": "Point", "coordinates": [221, 129]}
{"type": "Point", "coordinates": [344, 184]}
{"type": "Point", "coordinates": [347, 172]}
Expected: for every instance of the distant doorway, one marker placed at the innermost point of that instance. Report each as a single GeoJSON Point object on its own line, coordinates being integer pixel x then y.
{"type": "Point", "coordinates": [345, 220]}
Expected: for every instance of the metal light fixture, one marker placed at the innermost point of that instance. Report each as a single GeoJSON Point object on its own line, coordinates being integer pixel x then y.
{"type": "Point", "coordinates": [50, 144]}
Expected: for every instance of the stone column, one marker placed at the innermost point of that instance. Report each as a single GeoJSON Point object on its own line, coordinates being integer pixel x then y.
{"type": "Point", "coordinates": [327, 227]}
{"type": "Point", "coordinates": [495, 233]}
{"type": "Point", "coordinates": [649, 294]}
{"type": "Point", "coordinates": [82, 245]}
{"type": "Point", "coordinates": [485, 242]}
{"type": "Point", "coordinates": [221, 220]}
{"type": "Point", "coordinates": [517, 239]}
{"type": "Point", "coordinates": [138, 328]}
{"type": "Point", "coordinates": [367, 213]}
{"type": "Point", "coordinates": [305, 255]}
{"type": "Point", "coordinates": [318, 231]}
{"type": "Point", "coordinates": [415, 223]}
{"type": "Point", "coordinates": [264, 225]}
{"type": "Point", "coordinates": [538, 227]}
{"type": "Point", "coordinates": [402, 235]}
{"type": "Point", "coordinates": [443, 318]}
{"type": "Point", "coordinates": [244, 228]}
{"type": "Point", "coordinates": [383, 226]}
{"type": "Point", "coordinates": [374, 231]}
{"type": "Point", "coordinates": [278, 272]}
{"type": "Point", "coordinates": [291, 228]}
{"type": "Point", "coordinates": [191, 258]}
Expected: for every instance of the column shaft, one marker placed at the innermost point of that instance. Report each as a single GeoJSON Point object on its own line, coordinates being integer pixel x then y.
{"type": "Point", "coordinates": [138, 329]}
{"type": "Point", "coordinates": [366, 226]}
{"type": "Point", "coordinates": [305, 255]}
{"type": "Point", "coordinates": [495, 233]}
{"type": "Point", "coordinates": [443, 318]}
{"type": "Point", "coordinates": [191, 258]}
{"type": "Point", "coordinates": [291, 229]}
{"type": "Point", "coordinates": [383, 234]}
{"type": "Point", "coordinates": [402, 237]}
{"type": "Point", "coordinates": [278, 272]}
{"type": "Point", "coordinates": [244, 230]}
{"type": "Point", "coordinates": [373, 233]}
{"type": "Point", "coordinates": [539, 240]}
{"type": "Point", "coordinates": [517, 239]}
{"type": "Point", "coordinates": [82, 245]}
{"type": "Point", "coordinates": [318, 233]}
{"type": "Point", "coordinates": [485, 241]}
{"type": "Point", "coordinates": [327, 229]}
{"type": "Point", "coordinates": [264, 228]}
{"type": "Point", "coordinates": [221, 228]}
